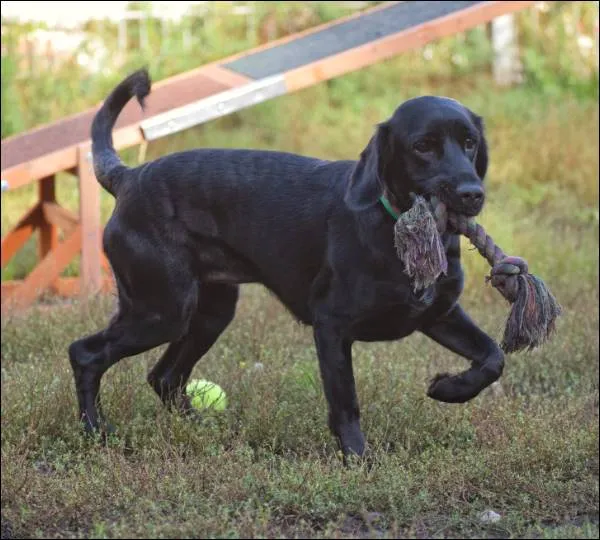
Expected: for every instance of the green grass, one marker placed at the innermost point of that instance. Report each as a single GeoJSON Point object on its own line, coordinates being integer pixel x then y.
{"type": "Point", "coordinates": [268, 467]}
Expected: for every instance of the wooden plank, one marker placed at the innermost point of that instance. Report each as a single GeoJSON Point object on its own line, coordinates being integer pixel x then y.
{"type": "Point", "coordinates": [24, 173]}
{"type": "Point", "coordinates": [74, 130]}
{"type": "Point", "coordinates": [64, 286]}
{"type": "Point", "coordinates": [89, 218]}
{"type": "Point", "coordinates": [416, 36]}
{"type": "Point", "coordinates": [44, 274]}
{"type": "Point", "coordinates": [271, 44]}
{"type": "Point", "coordinates": [9, 286]}
{"type": "Point", "coordinates": [298, 35]}
{"type": "Point", "coordinates": [63, 160]}
{"type": "Point", "coordinates": [126, 137]}
{"type": "Point", "coordinates": [213, 107]}
{"type": "Point", "coordinates": [15, 177]}
{"type": "Point", "coordinates": [60, 217]}
{"type": "Point", "coordinates": [105, 263]}
{"type": "Point", "coordinates": [48, 238]}
{"type": "Point", "coordinates": [225, 76]}
{"type": "Point", "coordinates": [70, 287]}
{"type": "Point", "coordinates": [20, 233]}
{"type": "Point", "coordinates": [345, 36]}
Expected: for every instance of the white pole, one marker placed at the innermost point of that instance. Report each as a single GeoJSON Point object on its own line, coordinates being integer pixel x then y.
{"type": "Point", "coordinates": [506, 59]}
{"type": "Point", "coordinates": [122, 35]}
{"type": "Point", "coordinates": [596, 36]}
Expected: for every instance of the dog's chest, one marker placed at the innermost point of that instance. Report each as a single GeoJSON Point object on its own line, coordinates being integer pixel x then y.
{"type": "Point", "coordinates": [392, 314]}
{"type": "Point", "coordinates": [392, 310]}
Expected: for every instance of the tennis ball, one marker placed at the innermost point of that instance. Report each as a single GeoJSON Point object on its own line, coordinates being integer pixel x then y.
{"type": "Point", "coordinates": [205, 394]}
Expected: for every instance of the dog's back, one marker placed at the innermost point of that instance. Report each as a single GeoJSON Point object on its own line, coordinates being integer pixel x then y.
{"type": "Point", "coordinates": [241, 215]}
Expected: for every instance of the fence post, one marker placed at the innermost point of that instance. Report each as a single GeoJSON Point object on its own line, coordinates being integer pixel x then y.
{"type": "Point", "coordinates": [48, 239]}
{"type": "Point", "coordinates": [89, 208]}
{"type": "Point", "coordinates": [506, 53]}
{"type": "Point", "coordinates": [122, 35]}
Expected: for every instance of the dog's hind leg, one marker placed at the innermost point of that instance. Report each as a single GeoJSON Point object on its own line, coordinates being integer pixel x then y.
{"type": "Point", "coordinates": [216, 309]}
{"type": "Point", "coordinates": [93, 355]}
{"type": "Point", "coordinates": [144, 321]}
{"type": "Point", "coordinates": [457, 332]}
{"type": "Point", "coordinates": [128, 334]}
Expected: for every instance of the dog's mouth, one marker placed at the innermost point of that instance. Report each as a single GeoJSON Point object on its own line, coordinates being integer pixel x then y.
{"type": "Point", "coordinates": [452, 202]}
{"type": "Point", "coordinates": [440, 208]}
{"type": "Point", "coordinates": [461, 194]}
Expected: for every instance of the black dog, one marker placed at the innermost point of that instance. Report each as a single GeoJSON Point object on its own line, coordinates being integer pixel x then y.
{"type": "Point", "coordinates": [188, 228]}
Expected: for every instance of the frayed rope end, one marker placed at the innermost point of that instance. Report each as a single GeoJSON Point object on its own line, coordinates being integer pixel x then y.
{"type": "Point", "coordinates": [531, 321]}
{"type": "Point", "coordinates": [419, 246]}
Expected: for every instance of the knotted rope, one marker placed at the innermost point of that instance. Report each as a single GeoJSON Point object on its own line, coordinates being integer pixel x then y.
{"type": "Point", "coordinates": [417, 236]}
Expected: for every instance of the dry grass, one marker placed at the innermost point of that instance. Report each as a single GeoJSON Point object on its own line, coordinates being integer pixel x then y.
{"type": "Point", "coordinates": [267, 467]}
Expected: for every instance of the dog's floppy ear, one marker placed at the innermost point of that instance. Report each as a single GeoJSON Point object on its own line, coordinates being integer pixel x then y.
{"type": "Point", "coordinates": [481, 160]}
{"type": "Point", "coordinates": [367, 178]}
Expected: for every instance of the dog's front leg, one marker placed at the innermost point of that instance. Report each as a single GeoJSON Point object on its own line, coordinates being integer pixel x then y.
{"type": "Point", "coordinates": [334, 349]}
{"type": "Point", "coordinates": [457, 332]}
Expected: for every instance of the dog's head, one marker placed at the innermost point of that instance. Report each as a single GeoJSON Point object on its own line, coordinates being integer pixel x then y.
{"type": "Point", "coordinates": [430, 146]}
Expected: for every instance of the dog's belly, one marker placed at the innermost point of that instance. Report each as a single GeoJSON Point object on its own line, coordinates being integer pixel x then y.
{"type": "Point", "coordinates": [392, 324]}
{"type": "Point", "coordinates": [216, 263]}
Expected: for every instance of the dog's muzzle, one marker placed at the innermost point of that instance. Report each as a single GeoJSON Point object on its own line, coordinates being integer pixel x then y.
{"type": "Point", "coordinates": [467, 199]}
{"type": "Point", "coordinates": [471, 198]}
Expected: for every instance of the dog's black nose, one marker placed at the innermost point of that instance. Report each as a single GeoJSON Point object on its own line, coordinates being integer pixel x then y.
{"type": "Point", "coordinates": [471, 195]}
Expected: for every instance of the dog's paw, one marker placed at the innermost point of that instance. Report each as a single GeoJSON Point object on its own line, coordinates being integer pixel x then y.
{"type": "Point", "coordinates": [362, 457]}
{"type": "Point", "coordinates": [450, 389]}
{"type": "Point", "coordinates": [102, 432]}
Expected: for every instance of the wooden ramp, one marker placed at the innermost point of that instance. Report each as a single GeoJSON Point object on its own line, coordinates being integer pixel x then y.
{"type": "Point", "coordinates": [189, 99]}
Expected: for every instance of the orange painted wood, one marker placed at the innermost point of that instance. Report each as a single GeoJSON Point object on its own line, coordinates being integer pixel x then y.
{"type": "Point", "coordinates": [62, 160]}
{"type": "Point", "coordinates": [60, 217]}
{"type": "Point", "coordinates": [70, 287]}
{"type": "Point", "coordinates": [386, 47]}
{"type": "Point", "coordinates": [25, 157]}
{"type": "Point", "coordinates": [21, 232]}
{"type": "Point", "coordinates": [64, 286]}
{"type": "Point", "coordinates": [9, 286]}
{"type": "Point", "coordinates": [30, 171]}
{"type": "Point", "coordinates": [89, 218]}
{"type": "Point", "coordinates": [105, 263]}
{"type": "Point", "coordinates": [127, 137]}
{"type": "Point", "coordinates": [48, 236]}
{"type": "Point", "coordinates": [44, 274]}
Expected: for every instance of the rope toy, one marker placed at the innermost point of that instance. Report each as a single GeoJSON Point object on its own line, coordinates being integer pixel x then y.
{"type": "Point", "coordinates": [417, 238]}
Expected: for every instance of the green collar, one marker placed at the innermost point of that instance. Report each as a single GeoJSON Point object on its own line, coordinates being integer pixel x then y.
{"type": "Point", "coordinates": [388, 206]}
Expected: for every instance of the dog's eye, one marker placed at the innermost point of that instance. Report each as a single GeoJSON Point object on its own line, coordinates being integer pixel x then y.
{"type": "Point", "coordinates": [470, 144]}
{"type": "Point", "coordinates": [423, 146]}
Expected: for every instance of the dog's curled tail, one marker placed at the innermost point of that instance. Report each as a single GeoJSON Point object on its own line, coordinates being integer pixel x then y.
{"type": "Point", "coordinates": [107, 164]}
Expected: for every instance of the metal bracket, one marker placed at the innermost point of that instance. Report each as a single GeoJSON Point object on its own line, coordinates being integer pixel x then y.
{"type": "Point", "coordinates": [212, 107]}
